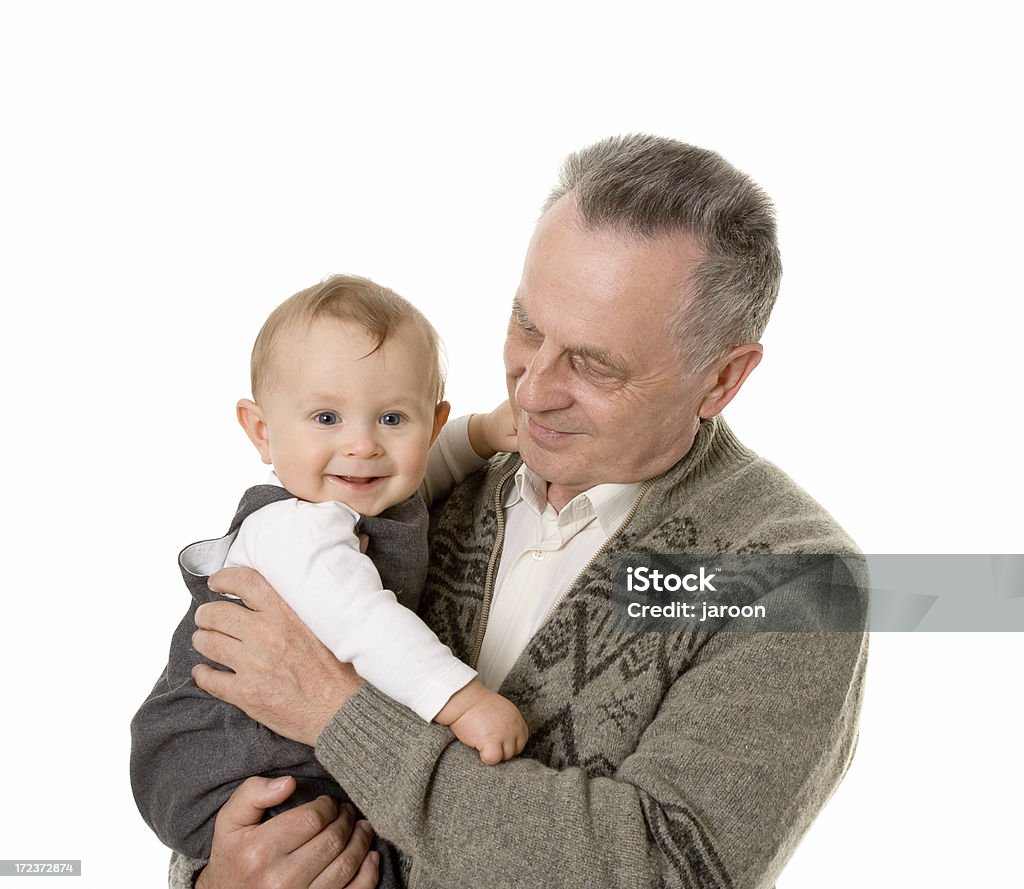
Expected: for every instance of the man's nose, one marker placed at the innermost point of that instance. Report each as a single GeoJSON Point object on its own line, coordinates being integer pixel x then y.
{"type": "Point", "coordinates": [544, 383]}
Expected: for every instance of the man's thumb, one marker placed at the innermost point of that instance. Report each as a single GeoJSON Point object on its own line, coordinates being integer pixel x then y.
{"type": "Point", "coordinates": [254, 795]}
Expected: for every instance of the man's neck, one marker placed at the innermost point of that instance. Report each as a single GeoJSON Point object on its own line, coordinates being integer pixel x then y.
{"type": "Point", "coordinates": [558, 496]}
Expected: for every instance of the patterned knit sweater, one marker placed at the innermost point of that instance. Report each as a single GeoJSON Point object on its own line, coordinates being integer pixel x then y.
{"type": "Point", "coordinates": [693, 759]}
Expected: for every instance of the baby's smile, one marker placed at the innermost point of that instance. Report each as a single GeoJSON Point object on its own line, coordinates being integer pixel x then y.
{"type": "Point", "coordinates": [360, 483]}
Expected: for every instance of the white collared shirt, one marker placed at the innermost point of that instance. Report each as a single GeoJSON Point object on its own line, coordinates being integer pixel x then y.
{"type": "Point", "coordinates": [543, 553]}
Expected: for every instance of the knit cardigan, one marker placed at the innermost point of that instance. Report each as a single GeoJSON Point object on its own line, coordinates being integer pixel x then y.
{"type": "Point", "coordinates": [695, 759]}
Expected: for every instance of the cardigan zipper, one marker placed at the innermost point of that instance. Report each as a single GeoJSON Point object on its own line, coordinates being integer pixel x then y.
{"type": "Point", "coordinates": [492, 563]}
{"type": "Point", "coordinates": [496, 553]}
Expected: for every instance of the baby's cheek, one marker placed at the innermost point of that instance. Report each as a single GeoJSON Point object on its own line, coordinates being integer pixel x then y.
{"type": "Point", "coordinates": [414, 469]}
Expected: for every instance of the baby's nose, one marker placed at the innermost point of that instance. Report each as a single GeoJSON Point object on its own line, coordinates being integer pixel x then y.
{"type": "Point", "coordinates": [361, 443]}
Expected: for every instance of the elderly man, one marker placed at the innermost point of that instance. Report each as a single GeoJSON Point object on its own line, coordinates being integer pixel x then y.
{"type": "Point", "coordinates": [690, 759]}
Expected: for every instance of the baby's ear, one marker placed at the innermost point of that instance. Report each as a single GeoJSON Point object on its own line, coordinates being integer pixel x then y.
{"type": "Point", "coordinates": [250, 417]}
{"type": "Point", "coordinates": [440, 418]}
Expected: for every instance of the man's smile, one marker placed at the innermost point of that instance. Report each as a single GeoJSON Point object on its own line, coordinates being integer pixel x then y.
{"type": "Point", "coordinates": [545, 433]}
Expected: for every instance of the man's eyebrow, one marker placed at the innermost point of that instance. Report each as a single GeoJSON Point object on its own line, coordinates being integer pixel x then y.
{"type": "Point", "coordinates": [518, 310]}
{"type": "Point", "coordinates": [590, 353]}
{"type": "Point", "coordinates": [599, 356]}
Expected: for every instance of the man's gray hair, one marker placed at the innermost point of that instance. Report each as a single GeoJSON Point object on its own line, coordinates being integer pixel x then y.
{"type": "Point", "coordinates": [649, 186]}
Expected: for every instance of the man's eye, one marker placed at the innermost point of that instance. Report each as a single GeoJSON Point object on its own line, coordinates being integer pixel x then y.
{"type": "Point", "coordinates": [390, 419]}
{"type": "Point", "coordinates": [327, 418]}
{"type": "Point", "coordinates": [595, 372]}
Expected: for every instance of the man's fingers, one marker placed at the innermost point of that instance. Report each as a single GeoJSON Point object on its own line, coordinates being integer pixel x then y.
{"type": "Point", "coordinates": [219, 683]}
{"type": "Point", "coordinates": [272, 853]}
{"type": "Point", "coordinates": [245, 807]}
{"type": "Point", "coordinates": [245, 583]}
{"type": "Point", "coordinates": [350, 860]}
{"type": "Point", "coordinates": [368, 874]}
{"type": "Point", "coordinates": [305, 827]}
{"type": "Point", "coordinates": [217, 647]}
{"type": "Point", "coordinates": [228, 618]}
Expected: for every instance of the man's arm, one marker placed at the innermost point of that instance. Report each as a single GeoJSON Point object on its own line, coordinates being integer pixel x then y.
{"type": "Point", "coordinates": [746, 747]}
{"type": "Point", "coordinates": [717, 794]}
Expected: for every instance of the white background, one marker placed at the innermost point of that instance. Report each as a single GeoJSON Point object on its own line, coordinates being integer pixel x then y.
{"type": "Point", "coordinates": [171, 172]}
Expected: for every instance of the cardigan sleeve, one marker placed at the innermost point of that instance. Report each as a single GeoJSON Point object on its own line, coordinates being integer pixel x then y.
{"type": "Point", "coordinates": [747, 745]}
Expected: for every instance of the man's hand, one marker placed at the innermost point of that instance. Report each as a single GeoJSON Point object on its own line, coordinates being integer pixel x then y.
{"type": "Point", "coordinates": [493, 433]}
{"type": "Point", "coordinates": [283, 676]}
{"type": "Point", "coordinates": [313, 846]}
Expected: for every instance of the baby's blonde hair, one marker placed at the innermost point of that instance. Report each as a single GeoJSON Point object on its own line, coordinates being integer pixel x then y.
{"type": "Point", "coordinates": [378, 310]}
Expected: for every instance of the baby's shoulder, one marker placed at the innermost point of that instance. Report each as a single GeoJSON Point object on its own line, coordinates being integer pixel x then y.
{"type": "Point", "coordinates": [302, 520]}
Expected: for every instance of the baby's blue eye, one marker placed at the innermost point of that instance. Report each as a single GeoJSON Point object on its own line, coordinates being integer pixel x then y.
{"type": "Point", "coordinates": [327, 418]}
{"type": "Point", "coordinates": [390, 419]}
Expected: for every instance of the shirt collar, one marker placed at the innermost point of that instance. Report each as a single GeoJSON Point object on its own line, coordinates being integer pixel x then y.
{"type": "Point", "coordinates": [609, 502]}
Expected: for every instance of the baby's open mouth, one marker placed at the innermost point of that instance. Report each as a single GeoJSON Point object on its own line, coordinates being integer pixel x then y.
{"type": "Point", "coordinates": [358, 480]}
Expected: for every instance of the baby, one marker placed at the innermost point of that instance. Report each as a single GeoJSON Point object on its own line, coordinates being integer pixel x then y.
{"type": "Point", "coordinates": [347, 401]}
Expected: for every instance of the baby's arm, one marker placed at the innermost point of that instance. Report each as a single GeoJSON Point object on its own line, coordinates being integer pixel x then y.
{"type": "Point", "coordinates": [464, 446]}
{"type": "Point", "coordinates": [494, 433]}
{"type": "Point", "coordinates": [309, 553]}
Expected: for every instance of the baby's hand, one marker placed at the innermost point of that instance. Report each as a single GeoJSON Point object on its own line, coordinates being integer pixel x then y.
{"type": "Point", "coordinates": [492, 433]}
{"type": "Point", "coordinates": [486, 721]}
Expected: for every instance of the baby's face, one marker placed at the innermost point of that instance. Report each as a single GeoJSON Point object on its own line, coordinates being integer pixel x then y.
{"type": "Point", "coordinates": [343, 422]}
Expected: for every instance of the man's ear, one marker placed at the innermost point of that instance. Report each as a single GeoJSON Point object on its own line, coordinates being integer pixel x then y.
{"type": "Point", "coordinates": [732, 370]}
{"type": "Point", "coordinates": [440, 418]}
{"type": "Point", "coordinates": [250, 418]}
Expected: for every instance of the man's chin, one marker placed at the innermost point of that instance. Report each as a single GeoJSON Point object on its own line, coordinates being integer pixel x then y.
{"type": "Point", "coordinates": [551, 467]}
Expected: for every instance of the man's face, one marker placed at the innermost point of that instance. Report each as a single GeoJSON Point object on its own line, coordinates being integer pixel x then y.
{"type": "Point", "coordinates": [597, 388]}
{"type": "Point", "coordinates": [342, 421]}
